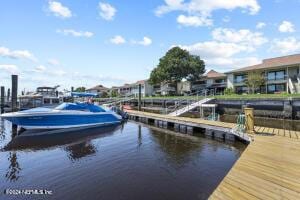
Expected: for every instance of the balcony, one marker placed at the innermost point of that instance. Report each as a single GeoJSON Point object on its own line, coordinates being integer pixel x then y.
{"type": "Point", "coordinates": [198, 86]}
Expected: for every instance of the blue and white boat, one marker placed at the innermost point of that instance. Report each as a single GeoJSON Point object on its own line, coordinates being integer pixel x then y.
{"type": "Point", "coordinates": [66, 115]}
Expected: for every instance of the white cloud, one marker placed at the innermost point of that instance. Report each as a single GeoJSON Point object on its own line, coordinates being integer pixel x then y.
{"type": "Point", "coordinates": [286, 27]}
{"type": "Point", "coordinates": [107, 11]}
{"type": "Point", "coordinates": [40, 68]}
{"type": "Point", "coordinates": [222, 56]}
{"type": "Point", "coordinates": [118, 39]}
{"type": "Point", "coordinates": [244, 37]}
{"type": "Point", "coordinates": [74, 33]}
{"type": "Point", "coordinates": [286, 45]}
{"type": "Point", "coordinates": [214, 49]}
{"type": "Point", "coordinates": [232, 63]}
{"type": "Point", "coordinates": [59, 10]}
{"type": "Point", "coordinates": [260, 25]}
{"type": "Point", "coordinates": [53, 62]}
{"type": "Point", "coordinates": [16, 54]}
{"type": "Point", "coordinates": [146, 41]}
{"type": "Point", "coordinates": [11, 69]}
{"type": "Point", "coordinates": [194, 21]}
{"type": "Point", "coordinates": [204, 8]}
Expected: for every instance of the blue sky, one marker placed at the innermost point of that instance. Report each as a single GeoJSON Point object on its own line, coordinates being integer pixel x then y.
{"type": "Point", "coordinates": [74, 43]}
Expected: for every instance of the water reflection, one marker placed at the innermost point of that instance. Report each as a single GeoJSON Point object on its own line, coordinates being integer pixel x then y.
{"type": "Point", "coordinates": [14, 168]}
{"type": "Point", "coordinates": [80, 150]}
{"type": "Point", "coordinates": [28, 141]}
{"type": "Point", "coordinates": [2, 130]}
{"type": "Point", "coordinates": [177, 148]}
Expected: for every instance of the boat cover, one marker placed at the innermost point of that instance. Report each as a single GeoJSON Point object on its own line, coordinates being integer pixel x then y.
{"type": "Point", "coordinates": [80, 106]}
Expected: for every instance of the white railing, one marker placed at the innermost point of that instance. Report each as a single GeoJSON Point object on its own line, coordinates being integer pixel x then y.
{"type": "Point", "coordinates": [291, 86]}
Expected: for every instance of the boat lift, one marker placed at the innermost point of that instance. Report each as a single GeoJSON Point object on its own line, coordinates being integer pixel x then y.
{"type": "Point", "coordinates": [213, 116]}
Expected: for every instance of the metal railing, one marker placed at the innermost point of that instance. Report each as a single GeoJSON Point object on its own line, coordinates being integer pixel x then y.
{"type": "Point", "coordinates": [192, 97]}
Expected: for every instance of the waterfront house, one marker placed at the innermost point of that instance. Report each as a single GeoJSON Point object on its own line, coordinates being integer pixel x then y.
{"type": "Point", "coordinates": [133, 89]}
{"type": "Point", "coordinates": [211, 82]}
{"type": "Point", "coordinates": [98, 89]}
{"type": "Point", "coordinates": [281, 75]}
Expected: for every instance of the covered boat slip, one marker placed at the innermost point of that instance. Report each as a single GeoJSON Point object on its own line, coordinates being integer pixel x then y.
{"type": "Point", "coordinates": [269, 168]}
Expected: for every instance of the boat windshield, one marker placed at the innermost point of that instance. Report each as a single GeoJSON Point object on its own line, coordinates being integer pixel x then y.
{"type": "Point", "coordinates": [80, 106]}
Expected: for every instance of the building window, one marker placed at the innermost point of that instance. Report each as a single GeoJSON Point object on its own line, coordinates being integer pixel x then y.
{"type": "Point", "coordinates": [220, 81]}
{"type": "Point", "coordinates": [241, 89]}
{"type": "Point", "coordinates": [276, 75]}
{"type": "Point", "coordinates": [239, 78]}
{"type": "Point", "coordinates": [276, 88]}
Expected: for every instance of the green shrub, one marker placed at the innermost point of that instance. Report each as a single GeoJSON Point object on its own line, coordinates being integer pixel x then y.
{"type": "Point", "coordinates": [229, 91]}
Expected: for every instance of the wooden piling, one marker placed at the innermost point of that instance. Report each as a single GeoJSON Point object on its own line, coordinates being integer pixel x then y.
{"type": "Point", "coordinates": [165, 124]}
{"type": "Point", "coordinates": [140, 97]}
{"type": "Point", "coordinates": [190, 130]}
{"type": "Point", "coordinates": [249, 120]}
{"type": "Point", "coordinates": [8, 95]}
{"type": "Point", "coordinates": [14, 92]}
{"type": "Point", "coordinates": [2, 92]}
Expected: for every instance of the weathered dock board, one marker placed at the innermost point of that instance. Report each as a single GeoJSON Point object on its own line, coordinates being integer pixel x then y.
{"type": "Point", "coordinates": [269, 168]}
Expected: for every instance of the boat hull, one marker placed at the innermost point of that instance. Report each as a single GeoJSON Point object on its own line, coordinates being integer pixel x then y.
{"type": "Point", "coordinates": [61, 121]}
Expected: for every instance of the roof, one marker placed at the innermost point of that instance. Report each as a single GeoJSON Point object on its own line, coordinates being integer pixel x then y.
{"type": "Point", "coordinates": [132, 84]}
{"type": "Point", "coordinates": [98, 87]}
{"type": "Point", "coordinates": [214, 74]}
{"type": "Point", "coordinates": [271, 63]}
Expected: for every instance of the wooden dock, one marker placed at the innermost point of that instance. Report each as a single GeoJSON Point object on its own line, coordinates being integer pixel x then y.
{"type": "Point", "coordinates": [269, 168]}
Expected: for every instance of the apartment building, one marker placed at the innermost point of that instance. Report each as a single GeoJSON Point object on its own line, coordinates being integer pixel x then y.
{"type": "Point", "coordinates": [98, 89]}
{"type": "Point", "coordinates": [281, 75]}
{"type": "Point", "coordinates": [133, 89]}
{"type": "Point", "coordinates": [212, 82]}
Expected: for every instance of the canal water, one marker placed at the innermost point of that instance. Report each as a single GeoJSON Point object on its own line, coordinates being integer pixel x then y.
{"type": "Point", "coordinates": [129, 161]}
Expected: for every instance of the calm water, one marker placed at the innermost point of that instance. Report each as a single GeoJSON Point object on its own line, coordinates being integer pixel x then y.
{"type": "Point", "coordinates": [131, 161]}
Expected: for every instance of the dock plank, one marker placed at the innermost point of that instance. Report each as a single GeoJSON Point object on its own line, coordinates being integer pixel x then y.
{"type": "Point", "coordinates": [267, 169]}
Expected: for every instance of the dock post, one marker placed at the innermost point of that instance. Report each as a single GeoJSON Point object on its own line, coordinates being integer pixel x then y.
{"type": "Point", "coordinates": [165, 124]}
{"type": "Point", "coordinates": [176, 127]}
{"type": "Point", "coordinates": [229, 137]}
{"type": "Point", "coordinates": [14, 92]}
{"type": "Point", "coordinates": [249, 120]}
{"type": "Point", "coordinates": [209, 133]}
{"type": "Point", "coordinates": [2, 99]}
{"type": "Point", "coordinates": [8, 95]}
{"type": "Point", "coordinates": [140, 97]}
{"type": "Point", "coordinates": [182, 128]}
{"type": "Point", "coordinates": [189, 130]}
{"type": "Point", "coordinates": [160, 124]}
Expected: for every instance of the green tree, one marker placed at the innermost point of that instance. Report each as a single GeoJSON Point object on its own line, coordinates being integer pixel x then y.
{"type": "Point", "coordinates": [114, 93]}
{"type": "Point", "coordinates": [254, 81]}
{"type": "Point", "coordinates": [104, 94]}
{"type": "Point", "coordinates": [80, 89]}
{"type": "Point", "coordinates": [176, 65]}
